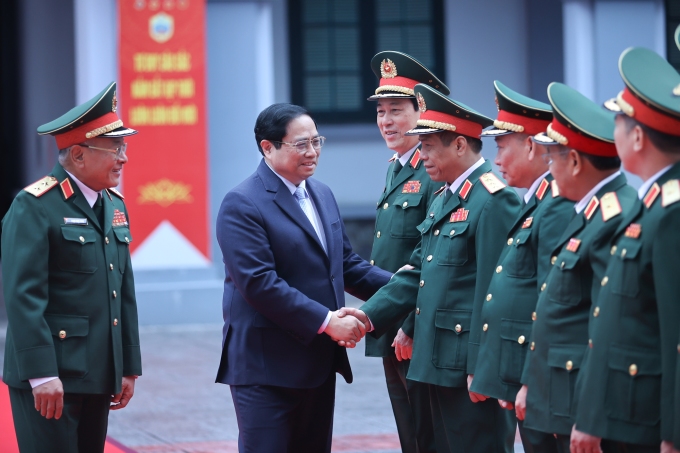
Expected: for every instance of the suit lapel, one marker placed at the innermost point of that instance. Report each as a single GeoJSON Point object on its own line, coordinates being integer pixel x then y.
{"type": "Point", "coordinates": [452, 203]}
{"type": "Point", "coordinates": [529, 207]}
{"type": "Point", "coordinates": [108, 212]}
{"type": "Point", "coordinates": [320, 203]}
{"type": "Point", "coordinates": [575, 225]}
{"type": "Point", "coordinates": [404, 174]}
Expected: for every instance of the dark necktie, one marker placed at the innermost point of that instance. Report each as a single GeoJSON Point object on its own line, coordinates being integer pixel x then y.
{"type": "Point", "coordinates": [396, 168]}
{"type": "Point", "coordinates": [98, 209]}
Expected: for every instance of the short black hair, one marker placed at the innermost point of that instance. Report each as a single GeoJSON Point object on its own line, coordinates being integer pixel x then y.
{"type": "Point", "coordinates": [414, 101]}
{"type": "Point", "coordinates": [447, 137]}
{"type": "Point", "coordinates": [666, 143]}
{"type": "Point", "coordinates": [272, 122]}
{"type": "Point", "coordinates": [602, 163]}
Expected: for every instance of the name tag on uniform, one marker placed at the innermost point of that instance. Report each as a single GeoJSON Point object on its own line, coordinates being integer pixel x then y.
{"type": "Point", "coordinates": [74, 221]}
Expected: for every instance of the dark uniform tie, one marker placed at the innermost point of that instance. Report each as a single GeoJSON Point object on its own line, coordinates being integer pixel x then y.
{"type": "Point", "coordinates": [396, 168]}
{"type": "Point", "coordinates": [98, 209]}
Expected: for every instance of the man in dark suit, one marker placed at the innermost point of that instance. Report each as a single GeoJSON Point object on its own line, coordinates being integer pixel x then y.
{"type": "Point", "coordinates": [287, 262]}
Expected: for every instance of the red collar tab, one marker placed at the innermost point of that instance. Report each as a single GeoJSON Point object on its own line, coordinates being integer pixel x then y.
{"type": "Point", "coordinates": [66, 188]}
{"type": "Point", "coordinates": [653, 192]}
{"type": "Point", "coordinates": [415, 159]}
{"type": "Point", "coordinates": [542, 189]}
{"type": "Point", "coordinates": [465, 189]}
{"type": "Point", "coordinates": [591, 207]}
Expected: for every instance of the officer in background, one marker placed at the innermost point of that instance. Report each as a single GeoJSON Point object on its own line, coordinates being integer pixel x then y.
{"type": "Point", "coordinates": [525, 260]}
{"type": "Point", "coordinates": [461, 240]}
{"type": "Point", "coordinates": [583, 160]}
{"type": "Point", "coordinates": [72, 338]}
{"type": "Point", "coordinates": [400, 209]}
{"type": "Point", "coordinates": [626, 394]}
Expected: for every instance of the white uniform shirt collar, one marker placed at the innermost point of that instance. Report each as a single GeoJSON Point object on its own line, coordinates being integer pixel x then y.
{"type": "Point", "coordinates": [534, 187]}
{"type": "Point", "coordinates": [407, 155]}
{"type": "Point", "coordinates": [90, 195]}
{"type": "Point", "coordinates": [459, 181]}
{"type": "Point", "coordinates": [581, 205]}
{"type": "Point", "coordinates": [644, 188]}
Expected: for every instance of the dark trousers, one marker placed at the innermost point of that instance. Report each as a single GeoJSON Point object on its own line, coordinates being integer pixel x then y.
{"type": "Point", "coordinates": [284, 420]}
{"type": "Point", "coordinates": [610, 446]}
{"type": "Point", "coordinates": [539, 442]}
{"type": "Point", "coordinates": [461, 426]}
{"type": "Point", "coordinates": [81, 428]}
{"type": "Point", "coordinates": [411, 406]}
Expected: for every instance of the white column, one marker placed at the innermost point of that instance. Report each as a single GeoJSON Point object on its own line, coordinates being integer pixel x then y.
{"type": "Point", "coordinates": [579, 46]}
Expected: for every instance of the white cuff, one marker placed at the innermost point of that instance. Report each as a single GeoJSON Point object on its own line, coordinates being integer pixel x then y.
{"type": "Point", "coordinates": [325, 322]}
{"type": "Point", "coordinates": [40, 381]}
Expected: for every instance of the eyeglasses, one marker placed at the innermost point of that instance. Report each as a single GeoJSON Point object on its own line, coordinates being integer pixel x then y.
{"type": "Point", "coordinates": [117, 152]}
{"type": "Point", "coordinates": [303, 145]}
{"type": "Point", "coordinates": [548, 158]}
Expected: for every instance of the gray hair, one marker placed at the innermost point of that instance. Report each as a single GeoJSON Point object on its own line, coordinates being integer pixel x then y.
{"type": "Point", "coordinates": [63, 155]}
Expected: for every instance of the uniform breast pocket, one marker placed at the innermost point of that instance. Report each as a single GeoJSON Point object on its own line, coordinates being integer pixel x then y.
{"type": "Point", "coordinates": [70, 343]}
{"type": "Point", "coordinates": [564, 361]}
{"type": "Point", "coordinates": [625, 266]}
{"type": "Point", "coordinates": [77, 251]}
{"type": "Point", "coordinates": [406, 216]}
{"type": "Point", "coordinates": [634, 385]}
{"type": "Point", "coordinates": [564, 286]}
{"type": "Point", "coordinates": [452, 331]}
{"type": "Point", "coordinates": [452, 247]}
{"type": "Point", "coordinates": [523, 262]}
{"type": "Point", "coordinates": [123, 240]}
{"type": "Point", "coordinates": [514, 340]}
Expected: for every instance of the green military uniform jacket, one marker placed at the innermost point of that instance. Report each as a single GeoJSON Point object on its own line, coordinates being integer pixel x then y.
{"type": "Point", "coordinates": [461, 240]}
{"type": "Point", "coordinates": [400, 209]}
{"type": "Point", "coordinates": [69, 289]}
{"type": "Point", "coordinates": [626, 391]}
{"type": "Point", "coordinates": [559, 336]}
{"type": "Point", "coordinates": [513, 292]}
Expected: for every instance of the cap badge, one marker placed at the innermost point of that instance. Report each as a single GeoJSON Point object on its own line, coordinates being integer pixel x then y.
{"type": "Point", "coordinates": [676, 90]}
{"type": "Point", "coordinates": [421, 103]}
{"type": "Point", "coordinates": [498, 107]}
{"type": "Point", "coordinates": [388, 70]}
{"type": "Point", "coordinates": [114, 103]}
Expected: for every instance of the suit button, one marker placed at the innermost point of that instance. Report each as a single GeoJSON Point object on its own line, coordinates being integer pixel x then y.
{"type": "Point", "coordinates": [521, 339]}
{"type": "Point", "coordinates": [377, 234]}
{"type": "Point", "coordinates": [332, 278]}
{"type": "Point", "coordinates": [386, 205]}
{"type": "Point", "coordinates": [596, 312]}
{"type": "Point", "coordinates": [544, 286]}
{"type": "Point", "coordinates": [429, 257]}
{"type": "Point", "coordinates": [106, 239]}
{"type": "Point", "coordinates": [533, 346]}
{"type": "Point", "coordinates": [485, 327]}
{"type": "Point", "coordinates": [632, 370]}
{"type": "Point", "coordinates": [499, 269]}
{"type": "Point", "coordinates": [82, 239]}
{"type": "Point", "coordinates": [404, 204]}
{"type": "Point", "coordinates": [115, 321]}
{"type": "Point", "coordinates": [436, 232]}
{"type": "Point", "coordinates": [489, 297]}
{"type": "Point", "coordinates": [605, 280]}
{"type": "Point", "coordinates": [533, 316]}
{"type": "Point", "coordinates": [613, 250]}
{"type": "Point", "coordinates": [569, 365]}
{"type": "Point", "coordinates": [553, 259]}
{"type": "Point", "coordinates": [62, 334]}
{"type": "Point", "coordinates": [417, 310]}
{"type": "Point", "coordinates": [372, 262]}
{"type": "Point", "coordinates": [422, 283]}
{"type": "Point", "coordinates": [114, 294]}
{"type": "Point", "coordinates": [458, 328]}
{"type": "Point", "coordinates": [510, 241]}
{"type": "Point", "coordinates": [111, 266]}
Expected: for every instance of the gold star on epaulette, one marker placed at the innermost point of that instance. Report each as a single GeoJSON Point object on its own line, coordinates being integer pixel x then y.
{"type": "Point", "coordinates": [42, 186]}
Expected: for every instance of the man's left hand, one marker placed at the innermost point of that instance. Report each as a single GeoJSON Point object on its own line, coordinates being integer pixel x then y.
{"type": "Point", "coordinates": [475, 397]}
{"type": "Point", "coordinates": [583, 442]}
{"type": "Point", "coordinates": [122, 399]}
{"type": "Point", "coordinates": [403, 346]}
{"type": "Point", "coordinates": [667, 447]}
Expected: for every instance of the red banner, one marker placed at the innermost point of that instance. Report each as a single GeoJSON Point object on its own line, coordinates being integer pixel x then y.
{"type": "Point", "coordinates": [163, 95]}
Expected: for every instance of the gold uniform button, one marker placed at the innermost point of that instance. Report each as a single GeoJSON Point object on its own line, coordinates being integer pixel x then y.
{"type": "Point", "coordinates": [422, 283]}
{"type": "Point", "coordinates": [62, 334]}
{"type": "Point", "coordinates": [533, 346]}
{"type": "Point", "coordinates": [436, 232]}
{"type": "Point", "coordinates": [679, 349]}
{"type": "Point", "coordinates": [623, 253]}
{"type": "Point", "coordinates": [521, 339]}
{"type": "Point", "coordinates": [605, 280]}
{"type": "Point", "coordinates": [458, 328]}
{"type": "Point", "coordinates": [372, 262]}
{"type": "Point", "coordinates": [106, 239]}
{"type": "Point", "coordinates": [590, 343]}
{"type": "Point", "coordinates": [632, 370]}
{"type": "Point", "coordinates": [429, 257]}
{"type": "Point", "coordinates": [517, 241]}
{"type": "Point", "coordinates": [562, 265]}
{"type": "Point", "coordinates": [485, 327]}
{"type": "Point", "coordinates": [417, 310]}
{"type": "Point", "coordinates": [569, 365]}
{"type": "Point", "coordinates": [613, 250]}
{"type": "Point", "coordinates": [489, 297]}
{"type": "Point", "coordinates": [111, 266]}
{"type": "Point", "coordinates": [115, 321]}
{"type": "Point", "coordinates": [499, 269]}
{"type": "Point", "coordinates": [544, 286]}
{"type": "Point", "coordinates": [377, 234]}
{"type": "Point", "coordinates": [431, 214]}
{"type": "Point", "coordinates": [596, 312]}
{"type": "Point", "coordinates": [452, 232]}
{"type": "Point", "coordinates": [114, 294]}
{"type": "Point", "coordinates": [404, 204]}
{"type": "Point", "coordinates": [386, 205]}
{"type": "Point", "coordinates": [127, 239]}
{"type": "Point", "coordinates": [510, 241]}
{"type": "Point", "coordinates": [553, 259]}
{"type": "Point", "coordinates": [82, 239]}
{"type": "Point", "coordinates": [533, 316]}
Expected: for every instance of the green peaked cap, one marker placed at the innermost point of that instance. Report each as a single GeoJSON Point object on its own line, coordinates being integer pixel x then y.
{"type": "Point", "coordinates": [399, 73]}
{"type": "Point", "coordinates": [514, 103]}
{"type": "Point", "coordinates": [677, 36]}
{"type": "Point", "coordinates": [440, 113]}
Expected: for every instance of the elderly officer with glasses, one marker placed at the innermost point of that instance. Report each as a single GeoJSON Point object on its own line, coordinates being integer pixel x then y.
{"type": "Point", "coordinates": [72, 350]}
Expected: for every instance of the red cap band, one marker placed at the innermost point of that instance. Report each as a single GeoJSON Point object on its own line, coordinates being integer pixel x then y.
{"type": "Point", "coordinates": [651, 117]}
{"type": "Point", "coordinates": [399, 81]}
{"type": "Point", "coordinates": [532, 126]}
{"type": "Point", "coordinates": [462, 126]}
{"type": "Point", "coordinates": [583, 143]}
{"type": "Point", "coordinates": [78, 134]}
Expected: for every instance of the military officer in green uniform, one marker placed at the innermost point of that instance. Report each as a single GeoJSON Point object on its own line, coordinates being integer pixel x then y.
{"type": "Point", "coordinates": [497, 362]}
{"type": "Point", "coordinates": [461, 240]}
{"type": "Point", "coordinates": [626, 389]}
{"type": "Point", "coordinates": [400, 209]}
{"type": "Point", "coordinates": [72, 348]}
{"type": "Point", "coordinates": [583, 160]}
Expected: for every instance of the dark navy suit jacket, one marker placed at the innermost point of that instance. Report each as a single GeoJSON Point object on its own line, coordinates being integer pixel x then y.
{"type": "Point", "coordinates": [280, 284]}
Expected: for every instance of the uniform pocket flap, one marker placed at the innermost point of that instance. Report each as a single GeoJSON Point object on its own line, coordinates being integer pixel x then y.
{"type": "Point", "coordinates": [567, 261]}
{"type": "Point", "coordinates": [567, 356]}
{"type": "Point", "coordinates": [454, 229]}
{"type": "Point", "coordinates": [514, 330]}
{"type": "Point", "coordinates": [64, 326]}
{"type": "Point", "coordinates": [522, 237]}
{"type": "Point", "coordinates": [407, 201]}
{"type": "Point", "coordinates": [425, 225]}
{"type": "Point", "coordinates": [634, 361]}
{"type": "Point", "coordinates": [123, 235]}
{"type": "Point", "coordinates": [629, 250]}
{"type": "Point", "coordinates": [78, 234]}
{"type": "Point", "coordinates": [455, 320]}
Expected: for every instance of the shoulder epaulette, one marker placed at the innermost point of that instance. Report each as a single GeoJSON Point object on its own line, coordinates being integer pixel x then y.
{"type": "Point", "coordinates": [651, 195]}
{"type": "Point", "coordinates": [440, 190]}
{"type": "Point", "coordinates": [42, 186]}
{"type": "Point", "coordinates": [415, 159]}
{"type": "Point", "coordinates": [66, 188]}
{"type": "Point", "coordinates": [554, 189]}
{"type": "Point", "coordinates": [465, 189]}
{"type": "Point", "coordinates": [491, 182]}
{"type": "Point", "coordinates": [542, 188]}
{"type": "Point", "coordinates": [591, 207]}
{"type": "Point", "coordinates": [670, 192]}
{"type": "Point", "coordinates": [610, 206]}
{"type": "Point", "coordinates": [116, 193]}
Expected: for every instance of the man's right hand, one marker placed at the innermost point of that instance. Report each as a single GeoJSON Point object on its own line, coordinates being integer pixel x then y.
{"type": "Point", "coordinates": [49, 399]}
{"type": "Point", "coordinates": [521, 402]}
{"type": "Point", "coordinates": [346, 330]}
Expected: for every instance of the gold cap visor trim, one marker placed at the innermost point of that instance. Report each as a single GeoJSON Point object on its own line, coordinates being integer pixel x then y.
{"type": "Point", "coordinates": [559, 138]}
{"type": "Point", "coordinates": [395, 88]}
{"type": "Point", "coordinates": [104, 129]}
{"type": "Point", "coordinates": [543, 139]}
{"type": "Point", "coordinates": [508, 126]}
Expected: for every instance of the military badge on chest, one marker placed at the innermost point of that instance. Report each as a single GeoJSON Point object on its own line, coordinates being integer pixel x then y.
{"type": "Point", "coordinates": [459, 215]}
{"type": "Point", "coordinates": [527, 222]}
{"type": "Point", "coordinates": [411, 187]}
{"type": "Point", "coordinates": [119, 218]}
{"type": "Point", "coordinates": [573, 245]}
{"type": "Point", "coordinates": [633, 231]}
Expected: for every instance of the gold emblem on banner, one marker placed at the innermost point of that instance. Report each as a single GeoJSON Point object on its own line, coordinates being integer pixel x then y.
{"type": "Point", "coordinates": [161, 27]}
{"type": "Point", "coordinates": [165, 192]}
